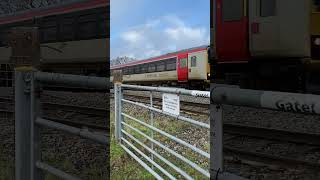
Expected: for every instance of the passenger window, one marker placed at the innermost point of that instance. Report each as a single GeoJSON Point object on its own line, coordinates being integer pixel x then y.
{"type": "Point", "coordinates": [130, 70]}
{"type": "Point", "coordinates": [125, 71]}
{"type": "Point", "coordinates": [152, 67]}
{"type": "Point", "coordinates": [160, 66]}
{"type": "Point", "coordinates": [193, 61]}
{"type": "Point", "coordinates": [171, 64]}
{"type": "Point", "coordinates": [183, 62]}
{"type": "Point", "coordinates": [143, 68]}
{"type": "Point", "coordinates": [137, 69]}
{"type": "Point", "coordinates": [232, 10]}
{"type": "Point", "coordinates": [268, 8]}
{"type": "Point", "coordinates": [48, 29]}
{"type": "Point", "coordinates": [87, 26]}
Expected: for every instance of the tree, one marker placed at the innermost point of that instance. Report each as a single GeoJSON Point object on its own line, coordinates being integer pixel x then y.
{"type": "Point", "coordinates": [121, 60]}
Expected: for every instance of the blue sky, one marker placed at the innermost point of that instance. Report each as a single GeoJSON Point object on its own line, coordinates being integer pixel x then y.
{"type": "Point", "coordinates": [146, 28]}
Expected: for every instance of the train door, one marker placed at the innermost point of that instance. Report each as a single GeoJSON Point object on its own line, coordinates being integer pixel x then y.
{"type": "Point", "coordinates": [197, 64]}
{"type": "Point", "coordinates": [231, 30]}
{"type": "Point", "coordinates": [279, 28]}
{"type": "Point", "coordinates": [182, 67]}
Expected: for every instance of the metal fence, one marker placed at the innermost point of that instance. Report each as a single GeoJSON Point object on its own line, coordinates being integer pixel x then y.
{"type": "Point", "coordinates": [130, 135]}
{"type": "Point", "coordinates": [28, 120]}
{"type": "Point", "coordinates": [281, 101]}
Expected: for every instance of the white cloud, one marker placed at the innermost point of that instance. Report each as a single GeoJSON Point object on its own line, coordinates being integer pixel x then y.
{"type": "Point", "coordinates": [131, 36]}
{"type": "Point", "coordinates": [159, 36]}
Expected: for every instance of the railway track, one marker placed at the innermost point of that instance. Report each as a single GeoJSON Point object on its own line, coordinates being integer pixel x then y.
{"type": "Point", "coordinates": [186, 107]}
{"type": "Point", "coordinates": [271, 134]}
{"type": "Point", "coordinates": [49, 106]}
{"type": "Point", "coordinates": [264, 159]}
{"type": "Point", "coordinates": [305, 142]}
{"type": "Point", "coordinates": [231, 129]}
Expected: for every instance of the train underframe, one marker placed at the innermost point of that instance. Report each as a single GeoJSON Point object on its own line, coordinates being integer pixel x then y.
{"type": "Point", "coordinates": [288, 75]}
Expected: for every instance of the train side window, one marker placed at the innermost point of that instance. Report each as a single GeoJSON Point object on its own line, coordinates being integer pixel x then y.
{"type": "Point", "coordinates": [134, 70]}
{"type": "Point", "coordinates": [67, 30]}
{"type": "Point", "coordinates": [137, 69]}
{"type": "Point", "coordinates": [103, 23]}
{"type": "Point", "coordinates": [171, 64]}
{"type": "Point", "coordinates": [161, 66]}
{"type": "Point", "coordinates": [130, 70]}
{"type": "Point", "coordinates": [152, 67]}
{"type": "Point", "coordinates": [87, 27]}
{"type": "Point", "coordinates": [48, 29]}
{"type": "Point", "coordinates": [193, 61]}
{"type": "Point", "coordinates": [125, 71]}
{"type": "Point", "coordinates": [232, 10]}
{"type": "Point", "coordinates": [268, 8]}
{"type": "Point", "coordinates": [183, 62]}
{"type": "Point", "coordinates": [144, 68]}
{"type": "Point", "coordinates": [3, 36]}
{"type": "Point", "coordinates": [147, 67]}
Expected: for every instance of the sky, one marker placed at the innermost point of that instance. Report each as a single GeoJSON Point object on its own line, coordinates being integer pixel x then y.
{"type": "Point", "coordinates": [146, 28]}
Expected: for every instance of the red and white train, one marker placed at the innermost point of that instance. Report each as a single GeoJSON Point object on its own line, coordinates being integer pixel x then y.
{"type": "Point", "coordinates": [185, 68]}
{"type": "Point", "coordinates": [266, 44]}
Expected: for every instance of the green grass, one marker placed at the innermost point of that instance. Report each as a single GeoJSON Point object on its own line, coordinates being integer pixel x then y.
{"type": "Point", "coordinates": [123, 166]}
{"type": "Point", "coordinates": [93, 172]}
{"type": "Point", "coordinates": [6, 170]}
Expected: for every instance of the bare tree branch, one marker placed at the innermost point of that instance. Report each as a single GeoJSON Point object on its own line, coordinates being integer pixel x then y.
{"type": "Point", "coordinates": [121, 60]}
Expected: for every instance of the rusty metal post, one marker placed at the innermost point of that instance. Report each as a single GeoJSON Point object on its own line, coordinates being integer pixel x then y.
{"type": "Point", "coordinates": [26, 57]}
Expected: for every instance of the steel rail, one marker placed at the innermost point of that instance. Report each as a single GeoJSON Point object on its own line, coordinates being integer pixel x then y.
{"type": "Point", "coordinates": [272, 134]}
{"type": "Point", "coordinates": [266, 159]}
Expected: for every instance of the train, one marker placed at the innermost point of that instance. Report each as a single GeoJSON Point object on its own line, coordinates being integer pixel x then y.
{"type": "Point", "coordinates": [74, 38]}
{"type": "Point", "coordinates": [266, 44]}
{"type": "Point", "coordinates": [188, 68]}
{"type": "Point", "coordinates": [260, 44]}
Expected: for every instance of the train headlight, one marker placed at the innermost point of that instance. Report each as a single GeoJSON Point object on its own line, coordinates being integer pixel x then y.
{"type": "Point", "coordinates": [317, 41]}
{"type": "Point", "coordinates": [208, 74]}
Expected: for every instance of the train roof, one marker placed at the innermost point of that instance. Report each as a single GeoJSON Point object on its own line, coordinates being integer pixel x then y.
{"type": "Point", "coordinates": [165, 56]}
{"type": "Point", "coordinates": [52, 10]}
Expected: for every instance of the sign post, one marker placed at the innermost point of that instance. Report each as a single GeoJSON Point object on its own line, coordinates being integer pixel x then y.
{"type": "Point", "coordinates": [171, 103]}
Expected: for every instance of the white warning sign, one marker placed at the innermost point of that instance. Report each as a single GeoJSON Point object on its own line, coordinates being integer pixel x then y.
{"type": "Point", "coordinates": [171, 103]}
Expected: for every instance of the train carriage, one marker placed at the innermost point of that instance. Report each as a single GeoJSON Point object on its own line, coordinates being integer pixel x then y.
{"type": "Point", "coordinates": [269, 44]}
{"type": "Point", "coordinates": [74, 38]}
{"type": "Point", "coordinates": [187, 68]}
